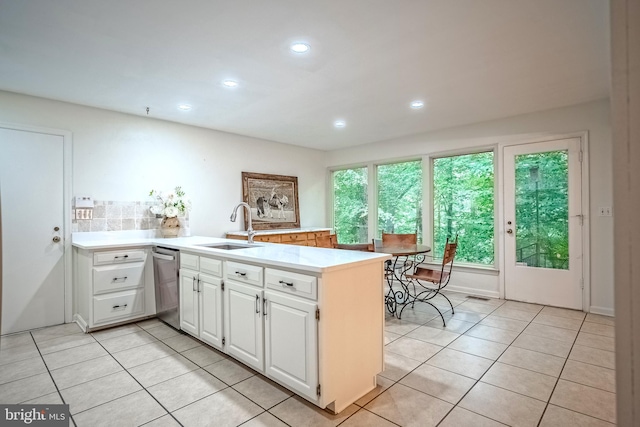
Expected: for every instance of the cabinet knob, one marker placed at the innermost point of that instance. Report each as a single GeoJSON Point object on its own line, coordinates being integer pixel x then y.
{"type": "Point", "coordinates": [56, 239]}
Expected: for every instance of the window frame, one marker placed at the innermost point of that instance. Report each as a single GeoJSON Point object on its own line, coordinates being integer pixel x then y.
{"type": "Point", "coordinates": [427, 197]}
{"type": "Point", "coordinates": [428, 223]}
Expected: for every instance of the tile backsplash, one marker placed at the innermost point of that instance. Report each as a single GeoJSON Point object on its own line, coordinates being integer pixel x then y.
{"type": "Point", "coordinates": [117, 216]}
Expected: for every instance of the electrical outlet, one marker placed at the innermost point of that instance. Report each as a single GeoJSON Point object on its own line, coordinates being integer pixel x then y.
{"type": "Point", "coordinates": [604, 211]}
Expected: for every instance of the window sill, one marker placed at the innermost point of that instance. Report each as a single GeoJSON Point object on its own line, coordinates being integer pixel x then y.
{"type": "Point", "coordinates": [467, 268]}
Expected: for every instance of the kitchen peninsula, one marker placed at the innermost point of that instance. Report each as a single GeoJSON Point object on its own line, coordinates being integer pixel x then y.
{"type": "Point", "coordinates": [308, 318]}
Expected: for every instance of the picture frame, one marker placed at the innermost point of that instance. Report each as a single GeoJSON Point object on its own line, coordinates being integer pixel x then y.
{"type": "Point", "coordinates": [273, 200]}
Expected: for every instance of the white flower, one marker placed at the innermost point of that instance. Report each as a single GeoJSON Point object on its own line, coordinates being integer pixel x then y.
{"type": "Point", "coordinates": [171, 211]}
{"type": "Point", "coordinates": [170, 203]}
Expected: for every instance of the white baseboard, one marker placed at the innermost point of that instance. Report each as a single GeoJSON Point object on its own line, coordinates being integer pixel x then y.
{"type": "Point", "coordinates": [80, 321]}
{"type": "Point", "coordinates": [473, 291]}
{"type": "Point", "coordinates": [605, 311]}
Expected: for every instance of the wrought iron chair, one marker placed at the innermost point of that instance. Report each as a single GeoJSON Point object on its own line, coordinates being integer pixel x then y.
{"type": "Point", "coordinates": [433, 281]}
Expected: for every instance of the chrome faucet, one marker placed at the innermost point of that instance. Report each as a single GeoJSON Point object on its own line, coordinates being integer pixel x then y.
{"type": "Point", "coordinates": [250, 231]}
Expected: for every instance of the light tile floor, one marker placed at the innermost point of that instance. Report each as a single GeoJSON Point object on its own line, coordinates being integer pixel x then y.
{"type": "Point", "coordinates": [495, 363]}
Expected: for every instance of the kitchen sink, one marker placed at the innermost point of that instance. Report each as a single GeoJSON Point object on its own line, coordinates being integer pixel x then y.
{"type": "Point", "coordinates": [226, 246]}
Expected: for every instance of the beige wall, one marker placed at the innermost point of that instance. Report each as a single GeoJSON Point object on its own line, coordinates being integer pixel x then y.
{"type": "Point", "coordinates": [592, 117]}
{"type": "Point", "coordinates": [121, 157]}
{"type": "Point", "coordinates": [625, 95]}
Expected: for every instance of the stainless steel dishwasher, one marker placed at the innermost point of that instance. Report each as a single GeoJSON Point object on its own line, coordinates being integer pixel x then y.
{"type": "Point", "coordinates": [166, 264]}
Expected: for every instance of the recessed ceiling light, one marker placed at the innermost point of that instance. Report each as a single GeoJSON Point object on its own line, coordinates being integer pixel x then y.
{"type": "Point", "coordinates": [417, 104]}
{"type": "Point", "coordinates": [184, 107]}
{"type": "Point", "coordinates": [230, 83]}
{"type": "Point", "coordinates": [300, 47]}
{"type": "Point", "coordinates": [339, 123]}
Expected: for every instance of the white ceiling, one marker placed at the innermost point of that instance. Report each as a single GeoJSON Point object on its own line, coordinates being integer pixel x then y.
{"type": "Point", "coordinates": [469, 60]}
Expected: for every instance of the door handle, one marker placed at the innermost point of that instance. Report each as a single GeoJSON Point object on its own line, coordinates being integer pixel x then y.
{"type": "Point", "coordinates": [56, 239]}
{"type": "Point", "coordinates": [257, 304]}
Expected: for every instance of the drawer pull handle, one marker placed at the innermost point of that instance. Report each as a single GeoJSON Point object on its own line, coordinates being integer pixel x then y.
{"type": "Point", "coordinates": [239, 273]}
{"type": "Point", "coordinates": [120, 307]}
{"type": "Point", "coordinates": [282, 282]}
{"type": "Point", "coordinates": [124, 256]}
{"type": "Point", "coordinates": [115, 279]}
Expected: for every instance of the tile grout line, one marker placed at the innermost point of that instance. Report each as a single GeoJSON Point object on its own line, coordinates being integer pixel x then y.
{"type": "Point", "coordinates": [52, 380]}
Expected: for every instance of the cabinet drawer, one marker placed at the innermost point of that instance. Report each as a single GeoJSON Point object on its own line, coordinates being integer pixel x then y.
{"type": "Point", "coordinates": [192, 262]}
{"type": "Point", "coordinates": [211, 266]}
{"type": "Point", "coordinates": [109, 278]}
{"type": "Point", "coordinates": [314, 234]}
{"type": "Point", "coordinates": [271, 238]}
{"type": "Point", "coordinates": [292, 283]}
{"type": "Point", "coordinates": [244, 273]}
{"type": "Point", "coordinates": [118, 305]}
{"type": "Point", "coordinates": [119, 257]}
{"type": "Point", "coordinates": [293, 237]}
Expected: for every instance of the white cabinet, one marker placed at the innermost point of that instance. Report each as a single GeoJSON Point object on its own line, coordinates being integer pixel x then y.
{"type": "Point", "coordinates": [112, 286]}
{"type": "Point", "coordinates": [243, 324]}
{"type": "Point", "coordinates": [274, 331]}
{"type": "Point", "coordinates": [201, 298]}
{"type": "Point", "coordinates": [291, 342]}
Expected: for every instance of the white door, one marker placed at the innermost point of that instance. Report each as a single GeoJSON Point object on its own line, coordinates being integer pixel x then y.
{"type": "Point", "coordinates": [291, 337]}
{"type": "Point", "coordinates": [189, 302]}
{"type": "Point", "coordinates": [243, 324]}
{"type": "Point", "coordinates": [32, 195]}
{"type": "Point", "coordinates": [211, 310]}
{"type": "Point", "coordinates": [543, 223]}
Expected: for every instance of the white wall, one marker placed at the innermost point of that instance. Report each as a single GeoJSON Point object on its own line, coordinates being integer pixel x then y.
{"type": "Point", "coordinates": [122, 157]}
{"type": "Point", "coordinates": [593, 117]}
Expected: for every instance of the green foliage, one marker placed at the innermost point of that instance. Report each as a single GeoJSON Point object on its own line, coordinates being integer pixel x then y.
{"type": "Point", "coordinates": [400, 198]}
{"type": "Point", "coordinates": [350, 205]}
{"type": "Point", "coordinates": [463, 205]}
{"type": "Point", "coordinates": [542, 209]}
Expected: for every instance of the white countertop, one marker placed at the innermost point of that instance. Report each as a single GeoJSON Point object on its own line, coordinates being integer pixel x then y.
{"type": "Point", "coordinates": [275, 254]}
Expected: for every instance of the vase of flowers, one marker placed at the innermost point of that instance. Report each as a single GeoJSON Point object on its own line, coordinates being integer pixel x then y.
{"type": "Point", "coordinates": [169, 205]}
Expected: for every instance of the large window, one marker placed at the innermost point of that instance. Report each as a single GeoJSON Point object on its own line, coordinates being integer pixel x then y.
{"type": "Point", "coordinates": [350, 208]}
{"type": "Point", "coordinates": [400, 198]}
{"type": "Point", "coordinates": [463, 204]}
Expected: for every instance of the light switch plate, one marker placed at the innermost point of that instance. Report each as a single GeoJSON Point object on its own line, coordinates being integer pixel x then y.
{"type": "Point", "coordinates": [84, 202]}
{"type": "Point", "coordinates": [604, 211]}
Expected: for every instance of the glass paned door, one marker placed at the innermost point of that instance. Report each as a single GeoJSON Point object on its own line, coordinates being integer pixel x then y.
{"type": "Point", "coordinates": [542, 209]}
{"type": "Point", "coordinates": [543, 223]}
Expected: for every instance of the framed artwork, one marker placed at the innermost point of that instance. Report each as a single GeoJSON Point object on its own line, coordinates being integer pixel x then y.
{"type": "Point", "coordinates": [273, 200]}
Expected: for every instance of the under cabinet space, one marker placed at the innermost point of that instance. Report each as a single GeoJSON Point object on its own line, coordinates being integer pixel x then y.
{"type": "Point", "coordinates": [110, 278]}
{"type": "Point", "coordinates": [244, 273]}
{"type": "Point", "coordinates": [293, 283]}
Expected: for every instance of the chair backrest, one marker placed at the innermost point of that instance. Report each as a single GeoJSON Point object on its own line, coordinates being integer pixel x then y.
{"type": "Point", "coordinates": [330, 241]}
{"type": "Point", "coordinates": [449, 252]}
{"type": "Point", "coordinates": [391, 239]}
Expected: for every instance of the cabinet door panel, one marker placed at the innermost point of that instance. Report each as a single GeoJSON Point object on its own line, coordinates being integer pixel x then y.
{"type": "Point", "coordinates": [210, 310]}
{"type": "Point", "coordinates": [291, 351]}
{"type": "Point", "coordinates": [188, 302]}
{"type": "Point", "coordinates": [243, 324]}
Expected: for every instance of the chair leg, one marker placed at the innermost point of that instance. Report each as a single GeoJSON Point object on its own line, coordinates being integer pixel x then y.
{"type": "Point", "coordinates": [449, 301]}
{"type": "Point", "coordinates": [439, 312]}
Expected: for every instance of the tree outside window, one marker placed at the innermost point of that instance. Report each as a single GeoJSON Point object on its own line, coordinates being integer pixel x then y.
{"type": "Point", "coordinates": [350, 209]}
{"type": "Point", "coordinates": [463, 205]}
{"type": "Point", "coordinates": [400, 198]}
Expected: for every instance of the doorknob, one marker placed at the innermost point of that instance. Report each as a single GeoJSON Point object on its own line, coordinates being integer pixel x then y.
{"type": "Point", "coordinates": [56, 239]}
{"type": "Point", "coordinates": [509, 231]}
